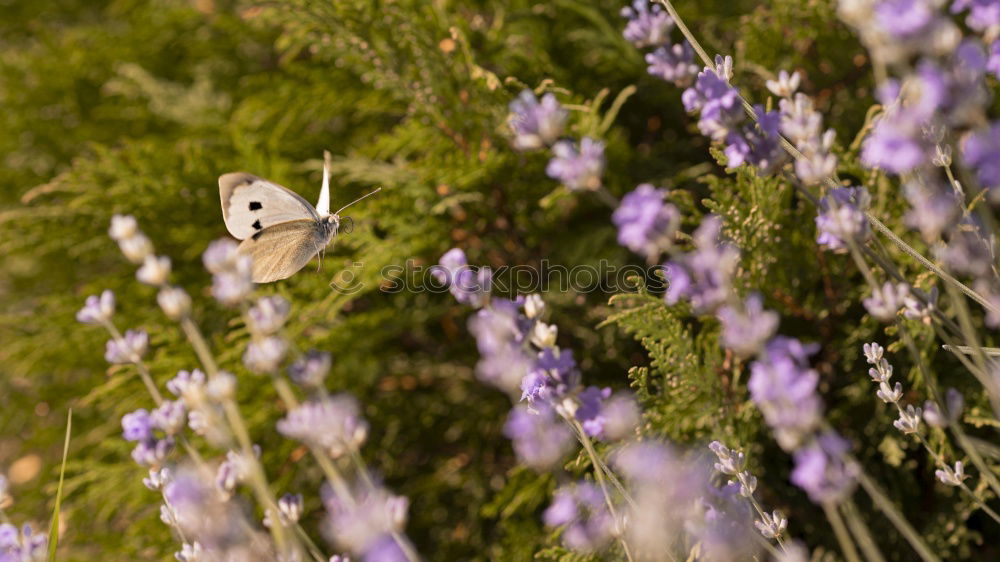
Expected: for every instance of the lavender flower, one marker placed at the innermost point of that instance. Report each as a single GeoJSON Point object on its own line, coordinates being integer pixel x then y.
{"type": "Point", "coordinates": [22, 546]}
{"type": "Point", "coordinates": [232, 280]}
{"type": "Point", "coordinates": [468, 286]}
{"type": "Point", "coordinates": [952, 477]}
{"type": "Point", "coordinates": [500, 333]}
{"type": "Point", "coordinates": [648, 26]}
{"type": "Point", "coordinates": [268, 315]}
{"type": "Point", "coordinates": [232, 472]}
{"type": "Point", "coordinates": [137, 426]}
{"type": "Point", "coordinates": [719, 105]}
{"type": "Point", "coordinates": [983, 14]}
{"type": "Point", "coordinates": [745, 329]}
{"type": "Point", "coordinates": [152, 452]}
{"type": "Point", "coordinates": [174, 302]}
{"type": "Point", "coordinates": [646, 224]}
{"type": "Point", "coordinates": [786, 84]}
{"type": "Point", "coordinates": [620, 416]}
{"type": "Point", "coordinates": [703, 276]}
{"type": "Point", "coordinates": [932, 209]}
{"type": "Point", "coordinates": [577, 169]}
{"type": "Point", "coordinates": [772, 525]}
{"type": "Point", "coordinates": [820, 469]}
{"type": "Point", "coordinates": [539, 438]}
{"type": "Point", "coordinates": [981, 152]}
{"type": "Point", "coordinates": [535, 124]}
{"type": "Point", "coordinates": [311, 369]}
{"type": "Point", "coordinates": [129, 349]}
{"type": "Point", "coordinates": [133, 243]}
{"type": "Point", "coordinates": [590, 411]}
{"type": "Point", "coordinates": [842, 217]}
{"type": "Point", "coordinates": [909, 420]}
{"type": "Point", "coordinates": [581, 509]}
{"type": "Point", "coordinates": [886, 301]}
{"type": "Point", "coordinates": [188, 385]}
{"type": "Point", "coordinates": [363, 524]}
{"type": "Point", "coordinates": [154, 270]}
{"type": "Point", "coordinates": [904, 19]}
{"type": "Point", "coordinates": [265, 355]}
{"type": "Point", "coordinates": [784, 388]}
{"type": "Point", "coordinates": [552, 377]}
{"type": "Point", "coordinates": [97, 309]}
{"type": "Point", "coordinates": [673, 63]}
{"type": "Point", "coordinates": [334, 425]}
{"type": "Point", "coordinates": [170, 416]}
{"type": "Point", "coordinates": [993, 62]}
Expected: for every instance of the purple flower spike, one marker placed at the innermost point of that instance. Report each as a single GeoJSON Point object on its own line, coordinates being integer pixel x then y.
{"type": "Point", "coordinates": [842, 217]}
{"type": "Point", "coordinates": [97, 309]}
{"type": "Point", "coordinates": [784, 388]}
{"type": "Point", "coordinates": [137, 426]}
{"type": "Point", "coordinates": [821, 469]}
{"type": "Point", "coordinates": [578, 169]}
{"type": "Point", "coordinates": [582, 510]}
{"type": "Point", "coordinates": [129, 349]}
{"type": "Point", "coordinates": [648, 26]}
{"type": "Point", "coordinates": [467, 285]}
{"type": "Point", "coordinates": [540, 439]}
{"type": "Point", "coordinates": [334, 424]}
{"type": "Point", "coordinates": [981, 152]}
{"type": "Point", "coordinates": [673, 63]}
{"type": "Point", "coordinates": [746, 329]}
{"type": "Point", "coordinates": [536, 124]}
{"type": "Point", "coordinates": [703, 276]}
{"type": "Point", "coordinates": [646, 224]}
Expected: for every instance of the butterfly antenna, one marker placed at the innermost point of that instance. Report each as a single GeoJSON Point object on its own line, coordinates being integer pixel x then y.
{"type": "Point", "coordinates": [365, 196]}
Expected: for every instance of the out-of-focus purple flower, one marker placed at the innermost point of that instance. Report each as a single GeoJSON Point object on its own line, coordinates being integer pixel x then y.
{"type": "Point", "coordinates": [703, 276]}
{"type": "Point", "coordinates": [231, 472]}
{"type": "Point", "coordinates": [648, 26]}
{"type": "Point", "coordinates": [745, 329]}
{"type": "Point", "coordinates": [170, 416]}
{"type": "Point", "coordinates": [724, 529]}
{"type": "Point", "coordinates": [932, 210]}
{"type": "Point", "coordinates": [904, 19]}
{"type": "Point", "coordinates": [719, 105]}
{"type": "Point", "coordinates": [842, 217]}
{"type": "Point", "coordinates": [154, 271]}
{"type": "Point", "coordinates": [993, 60]}
{"type": "Point", "coordinates": [468, 286]}
{"type": "Point", "coordinates": [311, 369]}
{"type": "Point", "coordinates": [333, 424]}
{"type": "Point", "coordinates": [665, 488]}
{"type": "Point", "coordinates": [361, 525]}
{"type": "Point", "coordinates": [590, 412]}
{"type": "Point", "coordinates": [536, 124]}
{"type": "Point", "coordinates": [152, 452]}
{"type": "Point", "coordinates": [757, 145]}
{"type": "Point", "coordinates": [646, 223]}
{"type": "Point", "coordinates": [894, 146]}
{"type": "Point", "coordinates": [220, 528]}
{"type": "Point", "coordinates": [673, 63]}
{"type": "Point", "coordinates": [129, 349]}
{"type": "Point", "coordinates": [919, 306]}
{"type": "Point", "coordinates": [621, 416]}
{"type": "Point", "coordinates": [784, 388]}
{"type": "Point", "coordinates": [981, 152]}
{"type": "Point", "coordinates": [220, 255]}
{"type": "Point", "coordinates": [22, 546]}
{"type": "Point", "coordinates": [552, 377]}
{"type": "Point", "coordinates": [500, 333]}
{"type": "Point", "coordinates": [174, 302]}
{"type": "Point", "coordinates": [983, 14]}
{"type": "Point", "coordinates": [97, 309]}
{"type": "Point", "coordinates": [577, 169]}
{"type": "Point", "coordinates": [581, 509]}
{"type": "Point", "coordinates": [886, 301]}
{"type": "Point", "coordinates": [269, 314]}
{"type": "Point", "coordinates": [385, 549]}
{"type": "Point", "coordinates": [539, 437]}
{"type": "Point", "coordinates": [137, 425]}
{"type": "Point", "coordinates": [264, 355]}
{"type": "Point", "coordinates": [232, 281]}
{"type": "Point", "coordinates": [187, 384]}
{"type": "Point", "coordinates": [290, 508]}
{"type": "Point", "coordinates": [821, 469]}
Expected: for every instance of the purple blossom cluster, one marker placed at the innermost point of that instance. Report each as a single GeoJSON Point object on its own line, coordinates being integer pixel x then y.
{"type": "Point", "coordinates": [582, 512]}
{"type": "Point", "coordinates": [333, 424]}
{"type": "Point", "coordinates": [367, 524]}
{"type": "Point", "coordinates": [841, 219]}
{"type": "Point", "coordinates": [646, 223]}
{"type": "Point", "coordinates": [722, 119]}
{"type": "Point", "coordinates": [703, 276]}
{"type": "Point", "coordinates": [153, 432]}
{"type": "Point", "coordinates": [648, 25]}
{"type": "Point", "coordinates": [22, 545]}
{"type": "Point", "coordinates": [539, 124]}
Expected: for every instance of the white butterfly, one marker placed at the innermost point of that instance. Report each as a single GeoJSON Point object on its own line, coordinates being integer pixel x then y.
{"type": "Point", "coordinates": [280, 230]}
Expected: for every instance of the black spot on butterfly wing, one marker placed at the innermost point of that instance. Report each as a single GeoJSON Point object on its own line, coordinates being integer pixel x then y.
{"type": "Point", "coordinates": [255, 205]}
{"type": "Point", "coordinates": [256, 225]}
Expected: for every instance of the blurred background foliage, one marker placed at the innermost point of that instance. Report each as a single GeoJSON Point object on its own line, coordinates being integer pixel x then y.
{"type": "Point", "coordinates": [130, 106]}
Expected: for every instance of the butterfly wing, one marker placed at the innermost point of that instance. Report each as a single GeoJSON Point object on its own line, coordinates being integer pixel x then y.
{"type": "Point", "coordinates": [279, 251]}
{"type": "Point", "coordinates": [251, 204]}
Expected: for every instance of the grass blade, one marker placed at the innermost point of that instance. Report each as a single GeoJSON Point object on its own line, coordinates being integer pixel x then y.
{"type": "Point", "coordinates": [54, 526]}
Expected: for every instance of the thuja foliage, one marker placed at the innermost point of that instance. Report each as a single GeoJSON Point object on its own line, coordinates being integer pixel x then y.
{"type": "Point", "coordinates": [136, 108]}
